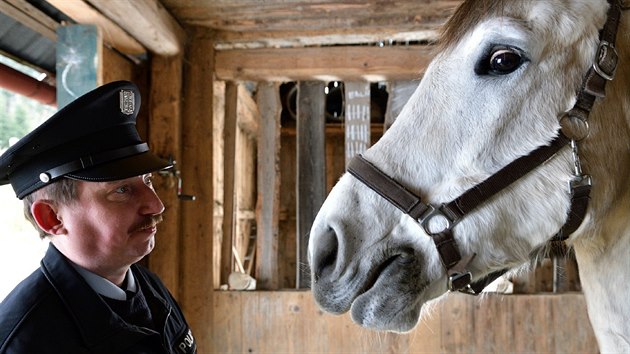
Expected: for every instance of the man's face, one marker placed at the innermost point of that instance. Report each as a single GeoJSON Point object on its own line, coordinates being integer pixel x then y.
{"type": "Point", "coordinates": [112, 224]}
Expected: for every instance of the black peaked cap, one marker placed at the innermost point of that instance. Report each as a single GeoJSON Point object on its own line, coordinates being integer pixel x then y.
{"type": "Point", "coordinates": [93, 138]}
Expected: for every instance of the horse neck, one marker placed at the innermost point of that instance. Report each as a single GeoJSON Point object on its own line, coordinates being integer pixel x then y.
{"type": "Point", "coordinates": [602, 245]}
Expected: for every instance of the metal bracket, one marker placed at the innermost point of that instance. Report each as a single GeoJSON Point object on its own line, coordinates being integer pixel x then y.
{"type": "Point", "coordinates": [173, 171]}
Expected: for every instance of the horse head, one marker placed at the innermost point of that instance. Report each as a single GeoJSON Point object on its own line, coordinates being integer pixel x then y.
{"type": "Point", "coordinates": [503, 76]}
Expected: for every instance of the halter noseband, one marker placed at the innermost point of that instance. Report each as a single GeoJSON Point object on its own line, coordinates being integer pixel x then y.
{"type": "Point", "coordinates": [572, 122]}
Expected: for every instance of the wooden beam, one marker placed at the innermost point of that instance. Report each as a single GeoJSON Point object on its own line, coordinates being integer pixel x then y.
{"type": "Point", "coordinates": [165, 104]}
{"type": "Point", "coordinates": [229, 179]}
{"type": "Point", "coordinates": [31, 17]}
{"type": "Point", "coordinates": [147, 21]}
{"type": "Point", "coordinates": [278, 16]}
{"type": "Point", "coordinates": [311, 167]}
{"type": "Point", "coordinates": [196, 167]}
{"type": "Point", "coordinates": [352, 63]}
{"type": "Point", "coordinates": [113, 35]}
{"type": "Point", "coordinates": [268, 209]}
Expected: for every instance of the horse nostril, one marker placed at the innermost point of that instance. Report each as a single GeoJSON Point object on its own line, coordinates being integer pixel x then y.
{"type": "Point", "coordinates": [324, 253]}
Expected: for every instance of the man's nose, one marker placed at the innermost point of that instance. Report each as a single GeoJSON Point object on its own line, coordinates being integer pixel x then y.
{"type": "Point", "coordinates": [152, 203]}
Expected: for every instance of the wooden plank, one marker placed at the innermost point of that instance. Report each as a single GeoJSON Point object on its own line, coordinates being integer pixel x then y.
{"type": "Point", "coordinates": [218, 108]}
{"type": "Point", "coordinates": [165, 102]}
{"type": "Point", "coordinates": [79, 58]}
{"type": "Point", "coordinates": [247, 112]}
{"type": "Point", "coordinates": [31, 17]}
{"type": "Point", "coordinates": [113, 35]}
{"type": "Point", "coordinates": [357, 119]}
{"type": "Point", "coordinates": [196, 168]}
{"type": "Point", "coordinates": [267, 215]}
{"type": "Point", "coordinates": [148, 22]}
{"type": "Point", "coordinates": [342, 63]}
{"type": "Point", "coordinates": [229, 184]}
{"type": "Point", "coordinates": [311, 167]}
{"type": "Point", "coordinates": [229, 318]}
{"type": "Point", "coordinates": [288, 212]}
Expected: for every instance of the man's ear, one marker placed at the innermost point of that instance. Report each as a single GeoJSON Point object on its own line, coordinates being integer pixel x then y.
{"type": "Point", "coordinates": [45, 215]}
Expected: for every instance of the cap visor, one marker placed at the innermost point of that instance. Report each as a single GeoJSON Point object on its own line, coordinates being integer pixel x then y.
{"type": "Point", "coordinates": [127, 167]}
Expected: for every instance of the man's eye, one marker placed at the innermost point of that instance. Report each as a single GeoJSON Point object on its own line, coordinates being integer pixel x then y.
{"type": "Point", "coordinates": [122, 190]}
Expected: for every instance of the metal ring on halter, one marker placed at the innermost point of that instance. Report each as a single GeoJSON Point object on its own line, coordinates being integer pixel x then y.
{"type": "Point", "coordinates": [432, 212]}
{"type": "Point", "coordinates": [574, 127]}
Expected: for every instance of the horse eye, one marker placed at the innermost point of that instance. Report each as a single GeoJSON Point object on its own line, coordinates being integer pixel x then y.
{"type": "Point", "coordinates": [504, 61]}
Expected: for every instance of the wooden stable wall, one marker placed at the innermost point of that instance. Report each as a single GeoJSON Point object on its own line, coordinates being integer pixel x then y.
{"type": "Point", "coordinates": [290, 322]}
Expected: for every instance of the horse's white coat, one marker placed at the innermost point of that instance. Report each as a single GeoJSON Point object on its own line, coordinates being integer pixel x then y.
{"type": "Point", "coordinates": [461, 126]}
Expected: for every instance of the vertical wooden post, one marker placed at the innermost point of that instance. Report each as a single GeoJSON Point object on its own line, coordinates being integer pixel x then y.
{"type": "Point", "coordinates": [229, 181]}
{"type": "Point", "coordinates": [79, 59]}
{"type": "Point", "coordinates": [196, 296]}
{"type": "Point", "coordinates": [268, 208]}
{"type": "Point", "coordinates": [164, 130]}
{"type": "Point", "coordinates": [311, 168]}
{"type": "Point", "coordinates": [357, 127]}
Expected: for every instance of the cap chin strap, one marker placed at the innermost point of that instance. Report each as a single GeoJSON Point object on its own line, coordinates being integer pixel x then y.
{"type": "Point", "coordinates": [88, 161]}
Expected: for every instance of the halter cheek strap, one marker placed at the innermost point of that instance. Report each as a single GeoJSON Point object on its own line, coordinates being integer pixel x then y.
{"type": "Point", "coordinates": [459, 278]}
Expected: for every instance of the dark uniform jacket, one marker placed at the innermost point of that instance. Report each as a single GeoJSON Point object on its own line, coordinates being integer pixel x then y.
{"type": "Point", "coordinates": [55, 311]}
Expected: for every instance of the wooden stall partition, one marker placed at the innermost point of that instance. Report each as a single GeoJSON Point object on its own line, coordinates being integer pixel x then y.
{"type": "Point", "coordinates": [290, 322]}
{"type": "Point", "coordinates": [196, 266]}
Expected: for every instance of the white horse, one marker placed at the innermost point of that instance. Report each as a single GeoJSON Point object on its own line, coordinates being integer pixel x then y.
{"type": "Point", "coordinates": [497, 89]}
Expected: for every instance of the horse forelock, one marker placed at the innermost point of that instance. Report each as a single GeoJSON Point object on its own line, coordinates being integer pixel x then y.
{"type": "Point", "coordinates": [465, 17]}
{"type": "Point", "coordinates": [472, 12]}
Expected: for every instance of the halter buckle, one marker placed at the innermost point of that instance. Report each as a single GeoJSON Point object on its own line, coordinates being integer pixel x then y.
{"type": "Point", "coordinates": [432, 212]}
{"type": "Point", "coordinates": [460, 282]}
{"type": "Point", "coordinates": [606, 52]}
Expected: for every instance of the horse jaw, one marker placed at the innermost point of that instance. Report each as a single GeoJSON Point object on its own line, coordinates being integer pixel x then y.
{"type": "Point", "coordinates": [482, 126]}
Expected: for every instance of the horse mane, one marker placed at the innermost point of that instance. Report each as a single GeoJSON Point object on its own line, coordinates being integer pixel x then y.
{"type": "Point", "coordinates": [465, 17]}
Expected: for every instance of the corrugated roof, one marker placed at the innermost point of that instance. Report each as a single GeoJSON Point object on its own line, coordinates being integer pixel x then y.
{"type": "Point", "coordinates": [22, 43]}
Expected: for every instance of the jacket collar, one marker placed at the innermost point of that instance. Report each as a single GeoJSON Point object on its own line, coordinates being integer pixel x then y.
{"type": "Point", "coordinates": [97, 324]}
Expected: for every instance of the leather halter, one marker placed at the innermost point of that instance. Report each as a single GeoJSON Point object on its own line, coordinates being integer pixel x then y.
{"type": "Point", "coordinates": [459, 277]}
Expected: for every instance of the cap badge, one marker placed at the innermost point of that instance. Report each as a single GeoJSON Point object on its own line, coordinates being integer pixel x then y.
{"type": "Point", "coordinates": [127, 102]}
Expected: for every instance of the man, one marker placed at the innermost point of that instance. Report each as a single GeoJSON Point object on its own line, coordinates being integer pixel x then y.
{"type": "Point", "coordinates": [85, 177]}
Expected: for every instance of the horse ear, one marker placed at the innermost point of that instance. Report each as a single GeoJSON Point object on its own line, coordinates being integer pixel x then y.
{"type": "Point", "coordinates": [45, 216]}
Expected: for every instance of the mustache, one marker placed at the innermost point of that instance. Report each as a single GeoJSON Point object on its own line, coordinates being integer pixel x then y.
{"type": "Point", "coordinates": [148, 222]}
